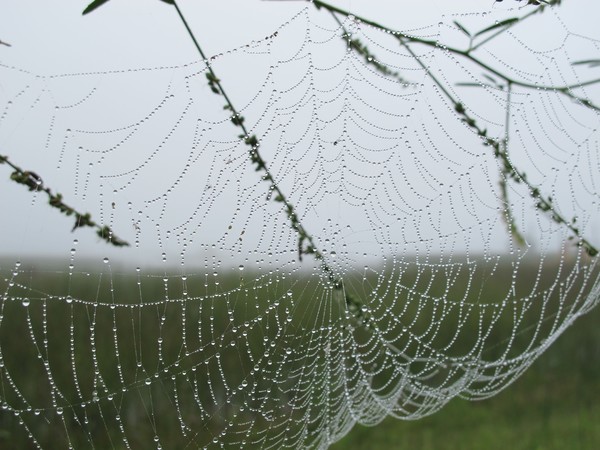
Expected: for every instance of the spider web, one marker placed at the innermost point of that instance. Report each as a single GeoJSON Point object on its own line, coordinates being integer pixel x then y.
{"type": "Point", "coordinates": [211, 330]}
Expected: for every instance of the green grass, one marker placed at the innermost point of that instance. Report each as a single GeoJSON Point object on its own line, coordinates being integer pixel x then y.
{"type": "Point", "coordinates": [551, 406]}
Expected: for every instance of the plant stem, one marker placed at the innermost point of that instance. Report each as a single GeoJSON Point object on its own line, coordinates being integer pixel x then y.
{"type": "Point", "coordinates": [369, 57]}
{"type": "Point", "coordinates": [253, 142]}
{"type": "Point", "coordinates": [564, 90]}
{"type": "Point", "coordinates": [512, 24]}
{"type": "Point", "coordinates": [34, 183]}
{"type": "Point", "coordinates": [544, 204]}
{"type": "Point", "coordinates": [509, 217]}
{"type": "Point", "coordinates": [306, 243]}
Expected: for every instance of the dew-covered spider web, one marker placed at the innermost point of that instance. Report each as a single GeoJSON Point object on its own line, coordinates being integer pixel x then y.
{"type": "Point", "coordinates": [435, 263]}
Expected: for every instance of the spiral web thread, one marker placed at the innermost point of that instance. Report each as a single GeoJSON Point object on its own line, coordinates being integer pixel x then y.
{"type": "Point", "coordinates": [221, 337]}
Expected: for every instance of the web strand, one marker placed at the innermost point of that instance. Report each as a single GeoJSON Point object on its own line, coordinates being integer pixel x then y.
{"type": "Point", "coordinates": [450, 217]}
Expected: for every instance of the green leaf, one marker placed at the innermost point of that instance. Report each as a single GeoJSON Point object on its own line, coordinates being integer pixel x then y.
{"type": "Point", "coordinates": [497, 25]}
{"type": "Point", "coordinates": [587, 62]}
{"type": "Point", "coordinates": [169, 2]}
{"type": "Point", "coordinates": [479, 85]}
{"type": "Point", "coordinates": [493, 80]}
{"type": "Point", "coordinates": [211, 77]}
{"type": "Point", "coordinates": [92, 6]}
{"type": "Point", "coordinates": [461, 28]}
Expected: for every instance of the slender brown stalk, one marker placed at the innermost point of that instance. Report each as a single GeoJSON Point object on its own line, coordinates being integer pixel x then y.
{"type": "Point", "coordinates": [35, 184]}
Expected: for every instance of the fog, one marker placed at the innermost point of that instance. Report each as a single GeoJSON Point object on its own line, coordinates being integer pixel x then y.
{"type": "Point", "coordinates": [113, 111]}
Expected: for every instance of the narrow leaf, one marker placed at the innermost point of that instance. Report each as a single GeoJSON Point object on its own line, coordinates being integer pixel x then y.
{"type": "Point", "coordinates": [461, 28]}
{"type": "Point", "coordinates": [475, 85]}
{"type": "Point", "coordinates": [497, 25]}
{"type": "Point", "coordinates": [92, 6]}
{"type": "Point", "coordinates": [589, 62]}
{"type": "Point", "coordinates": [493, 80]}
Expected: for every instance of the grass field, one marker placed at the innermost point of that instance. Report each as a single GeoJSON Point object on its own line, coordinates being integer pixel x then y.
{"type": "Point", "coordinates": [553, 406]}
{"type": "Point", "coordinates": [101, 363]}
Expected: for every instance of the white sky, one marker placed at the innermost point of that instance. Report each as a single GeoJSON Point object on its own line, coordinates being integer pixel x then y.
{"type": "Point", "coordinates": [53, 38]}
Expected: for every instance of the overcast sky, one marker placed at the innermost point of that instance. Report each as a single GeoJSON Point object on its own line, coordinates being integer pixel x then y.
{"type": "Point", "coordinates": [47, 39]}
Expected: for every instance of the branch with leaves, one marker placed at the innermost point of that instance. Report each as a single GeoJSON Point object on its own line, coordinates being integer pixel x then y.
{"type": "Point", "coordinates": [306, 242]}
{"type": "Point", "coordinates": [500, 146]}
{"type": "Point", "coordinates": [35, 184]}
{"type": "Point", "coordinates": [566, 90]}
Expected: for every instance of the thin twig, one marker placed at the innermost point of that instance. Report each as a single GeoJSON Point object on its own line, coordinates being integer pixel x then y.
{"type": "Point", "coordinates": [511, 24]}
{"type": "Point", "coordinates": [544, 204]}
{"type": "Point", "coordinates": [306, 243]}
{"type": "Point", "coordinates": [564, 90]}
{"type": "Point", "coordinates": [369, 57]}
{"type": "Point", "coordinates": [35, 184]}
{"type": "Point", "coordinates": [509, 217]}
